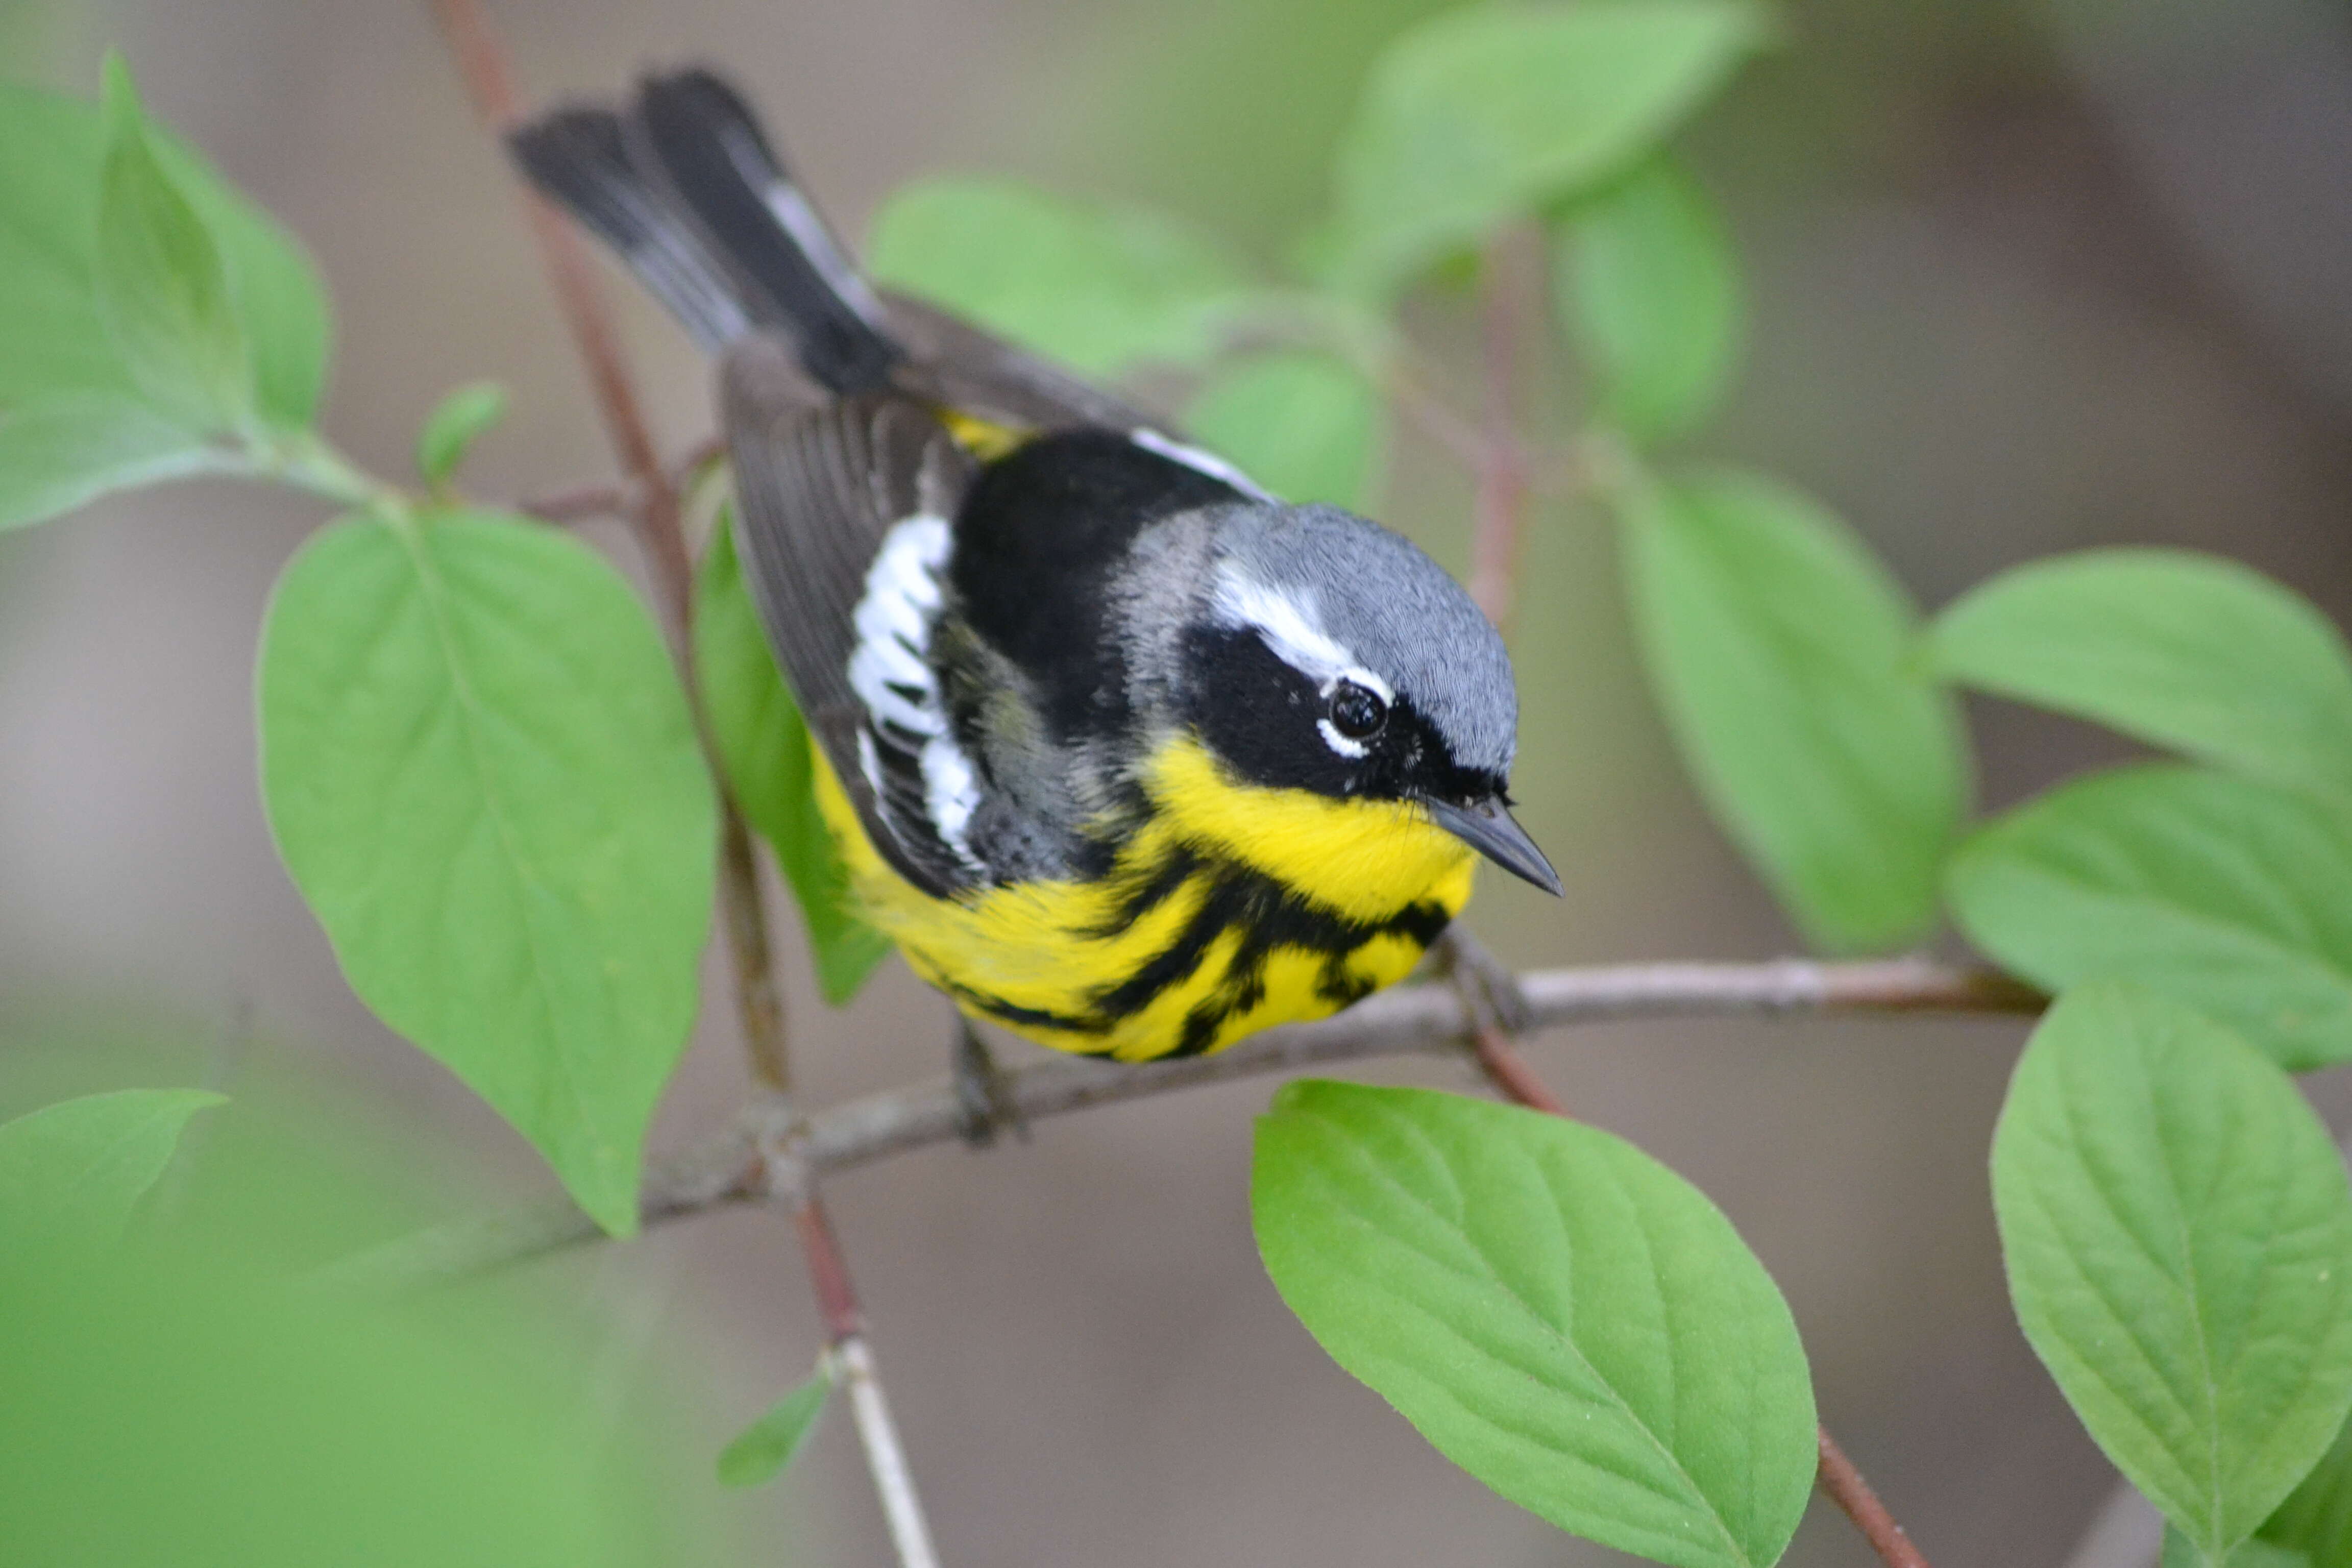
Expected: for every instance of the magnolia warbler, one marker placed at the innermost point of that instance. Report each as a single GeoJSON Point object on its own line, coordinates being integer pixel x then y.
{"type": "Point", "coordinates": [1124, 754]}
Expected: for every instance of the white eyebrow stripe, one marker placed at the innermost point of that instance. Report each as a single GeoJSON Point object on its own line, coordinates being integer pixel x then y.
{"type": "Point", "coordinates": [1199, 461]}
{"type": "Point", "coordinates": [1292, 630]}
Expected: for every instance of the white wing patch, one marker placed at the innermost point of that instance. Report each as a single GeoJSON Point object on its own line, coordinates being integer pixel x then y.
{"type": "Point", "coordinates": [891, 674]}
{"type": "Point", "coordinates": [1199, 461]}
{"type": "Point", "coordinates": [1293, 628]}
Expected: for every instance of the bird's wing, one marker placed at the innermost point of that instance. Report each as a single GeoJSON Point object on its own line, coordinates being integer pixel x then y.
{"type": "Point", "coordinates": [951, 363]}
{"type": "Point", "coordinates": [844, 513]}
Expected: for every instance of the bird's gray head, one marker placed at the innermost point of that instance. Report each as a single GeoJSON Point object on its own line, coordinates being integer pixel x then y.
{"type": "Point", "coordinates": [1331, 655]}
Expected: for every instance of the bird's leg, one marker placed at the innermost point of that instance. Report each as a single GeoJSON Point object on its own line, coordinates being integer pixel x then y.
{"type": "Point", "coordinates": [984, 1102]}
{"type": "Point", "coordinates": [1498, 1009]}
{"type": "Point", "coordinates": [1486, 983]}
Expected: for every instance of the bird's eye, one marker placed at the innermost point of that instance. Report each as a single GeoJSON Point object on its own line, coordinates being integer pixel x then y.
{"type": "Point", "coordinates": [1356, 711]}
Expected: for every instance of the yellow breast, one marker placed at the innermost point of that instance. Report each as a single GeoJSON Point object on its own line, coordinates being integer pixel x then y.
{"type": "Point", "coordinates": [1229, 909]}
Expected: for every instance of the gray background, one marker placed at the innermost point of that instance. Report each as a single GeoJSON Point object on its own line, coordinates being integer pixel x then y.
{"type": "Point", "coordinates": [2026, 277]}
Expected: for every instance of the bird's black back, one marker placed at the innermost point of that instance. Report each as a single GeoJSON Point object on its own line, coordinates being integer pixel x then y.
{"type": "Point", "coordinates": [1038, 539]}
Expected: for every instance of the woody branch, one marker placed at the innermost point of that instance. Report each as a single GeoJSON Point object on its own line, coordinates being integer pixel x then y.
{"type": "Point", "coordinates": [766, 1157]}
{"type": "Point", "coordinates": [650, 504]}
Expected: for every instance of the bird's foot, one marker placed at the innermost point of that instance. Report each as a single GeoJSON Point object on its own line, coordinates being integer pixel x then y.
{"type": "Point", "coordinates": [1486, 983]}
{"type": "Point", "coordinates": [984, 1102]}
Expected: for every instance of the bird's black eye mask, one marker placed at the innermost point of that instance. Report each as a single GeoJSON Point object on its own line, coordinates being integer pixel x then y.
{"type": "Point", "coordinates": [1277, 726]}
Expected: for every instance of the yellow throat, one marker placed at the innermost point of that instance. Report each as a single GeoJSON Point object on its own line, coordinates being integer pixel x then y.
{"type": "Point", "coordinates": [1230, 907]}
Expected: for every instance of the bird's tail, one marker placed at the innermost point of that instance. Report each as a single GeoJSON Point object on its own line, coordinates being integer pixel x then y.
{"type": "Point", "coordinates": [686, 187]}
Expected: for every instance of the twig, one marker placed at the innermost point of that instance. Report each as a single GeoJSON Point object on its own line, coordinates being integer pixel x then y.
{"type": "Point", "coordinates": [654, 518]}
{"type": "Point", "coordinates": [1844, 1486]}
{"type": "Point", "coordinates": [653, 515]}
{"type": "Point", "coordinates": [846, 1329]}
{"type": "Point", "coordinates": [901, 1510]}
{"type": "Point", "coordinates": [1837, 1478]}
{"type": "Point", "coordinates": [1506, 283]}
{"type": "Point", "coordinates": [1509, 1071]}
{"type": "Point", "coordinates": [577, 503]}
{"type": "Point", "coordinates": [759, 1004]}
{"type": "Point", "coordinates": [743, 1165]}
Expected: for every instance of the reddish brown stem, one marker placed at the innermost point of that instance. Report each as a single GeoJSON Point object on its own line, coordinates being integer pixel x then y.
{"type": "Point", "coordinates": [577, 503]}
{"type": "Point", "coordinates": [1509, 1073]}
{"type": "Point", "coordinates": [759, 1004]}
{"type": "Point", "coordinates": [1844, 1486]}
{"type": "Point", "coordinates": [489, 80]}
{"type": "Point", "coordinates": [654, 518]}
{"type": "Point", "coordinates": [828, 1272]}
{"type": "Point", "coordinates": [651, 509]}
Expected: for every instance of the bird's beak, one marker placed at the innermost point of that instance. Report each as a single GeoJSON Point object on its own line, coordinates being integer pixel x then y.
{"type": "Point", "coordinates": [1489, 829]}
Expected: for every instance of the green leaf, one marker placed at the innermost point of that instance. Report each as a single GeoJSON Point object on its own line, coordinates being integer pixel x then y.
{"type": "Point", "coordinates": [1490, 113]}
{"type": "Point", "coordinates": [2263, 1554]}
{"type": "Point", "coordinates": [1562, 1316]}
{"type": "Point", "coordinates": [1646, 275]}
{"type": "Point", "coordinates": [280, 296]}
{"type": "Point", "coordinates": [75, 1170]}
{"type": "Point", "coordinates": [2316, 1518]}
{"type": "Point", "coordinates": [2220, 892]}
{"type": "Point", "coordinates": [765, 748]}
{"type": "Point", "coordinates": [2191, 652]}
{"type": "Point", "coordinates": [59, 452]}
{"type": "Point", "coordinates": [481, 773]}
{"type": "Point", "coordinates": [48, 234]}
{"type": "Point", "coordinates": [1782, 654]}
{"type": "Point", "coordinates": [64, 385]}
{"type": "Point", "coordinates": [767, 1448]}
{"type": "Point", "coordinates": [454, 426]}
{"type": "Point", "coordinates": [2178, 1553]}
{"type": "Point", "coordinates": [2177, 1231]}
{"type": "Point", "coordinates": [191, 1403]}
{"type": "Point", "coordinates": [1305, 425]}
{"type": "Point", "coordinates": [161, 289]}
{"type": "Point", "coordinates": [1099, 288]}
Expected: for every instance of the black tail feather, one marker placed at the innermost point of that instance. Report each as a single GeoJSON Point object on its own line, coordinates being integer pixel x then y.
{"type": "Point", "coordinates": [689, 192]}
{"type": "Point", "coordinates": [580, 157]}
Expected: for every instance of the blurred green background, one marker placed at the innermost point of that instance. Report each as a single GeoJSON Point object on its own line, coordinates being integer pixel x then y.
{"type": "Point", "coordinates": [2027, 274]}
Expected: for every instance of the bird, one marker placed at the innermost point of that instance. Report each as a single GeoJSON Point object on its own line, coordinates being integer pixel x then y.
{"type": "Point", "coordinates": [1126, 755]}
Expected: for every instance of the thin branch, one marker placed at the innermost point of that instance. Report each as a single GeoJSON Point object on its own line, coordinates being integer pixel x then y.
{"type": "Point", "coordinates": [1845, 1487]}
{"type": "Point", "coordinates": [743, 908]}
{"type": "Point", "coordinates": [651, 496]}
{"type": "Point", "coordinates": [1509, 1071]}
{"type": "Point", "coordinates": [901, 1510]}
{"type": "Point", "coordinates": [654, 519]}
{"type": "Point", "coordinates": [1836, 1475]}
{"type": "Point", "coordinates": [768, 1155]}
{"type": "Point", "coordinates": [578, 503]}
{"type": "Point", "coordinates": [490, 81]}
